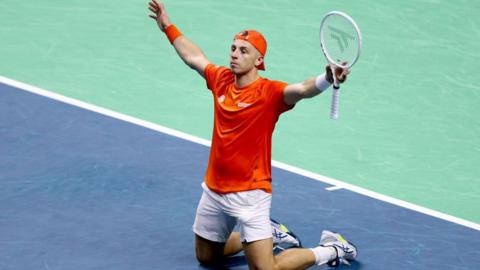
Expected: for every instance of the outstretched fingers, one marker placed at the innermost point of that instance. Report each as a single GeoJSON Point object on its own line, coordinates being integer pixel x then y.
{"type": "Point", "coordinates": [153, 16]}
{"type": "Point", "coordinates": [155, 9]}
{"type": "Point", "coordinates": [154, 3]}
{"type": "Point", "coordinates": [152, 6]}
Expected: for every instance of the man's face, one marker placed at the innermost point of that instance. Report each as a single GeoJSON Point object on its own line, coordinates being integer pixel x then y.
{"type": "Point", "coordinates": [244, 57]}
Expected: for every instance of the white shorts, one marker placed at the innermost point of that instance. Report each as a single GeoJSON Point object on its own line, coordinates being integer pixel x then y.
{"type": "Point", "coordinates": [217, 215]}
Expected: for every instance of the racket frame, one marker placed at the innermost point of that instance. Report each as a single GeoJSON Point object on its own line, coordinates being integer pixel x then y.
{"type": "Point", "coordinates": [334, 65]}
{"type": "Point", "coordinates": [357, 29]}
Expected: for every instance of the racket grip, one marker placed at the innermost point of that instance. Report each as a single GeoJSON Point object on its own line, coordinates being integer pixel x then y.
{"type": "Point", "coordinates": [335, 101]}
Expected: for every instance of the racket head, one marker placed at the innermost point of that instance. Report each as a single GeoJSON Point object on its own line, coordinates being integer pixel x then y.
{"type": "Point", "coordinates": [340, 39]}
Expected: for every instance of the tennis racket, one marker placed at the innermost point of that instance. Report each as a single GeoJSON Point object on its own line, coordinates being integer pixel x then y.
{"type": "Point", "coordinates": [341, 43]}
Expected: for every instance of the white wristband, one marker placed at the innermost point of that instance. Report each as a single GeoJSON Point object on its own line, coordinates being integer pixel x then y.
{"type": "Point", "coordinates": [321, 83]}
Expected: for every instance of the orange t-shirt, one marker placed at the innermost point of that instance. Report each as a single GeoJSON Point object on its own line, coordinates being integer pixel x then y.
{"type": "Point", "coordinates": [240, 156]}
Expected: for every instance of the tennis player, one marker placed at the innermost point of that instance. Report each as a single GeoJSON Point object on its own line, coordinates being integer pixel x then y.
{"type": "Point", "coordinates": [237, 186]}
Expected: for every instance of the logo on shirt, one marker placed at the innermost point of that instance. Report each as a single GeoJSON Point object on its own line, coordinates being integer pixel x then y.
{"type": "Point", "coordinates": [243, 104]}
{"type": "Point", "coordinates": [221, 99]}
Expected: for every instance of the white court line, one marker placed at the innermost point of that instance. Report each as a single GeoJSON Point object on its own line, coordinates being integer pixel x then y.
{"type": "Point", "coordinates": [333, 188]}
{"type": "Point", "coordinates": [333, 182]}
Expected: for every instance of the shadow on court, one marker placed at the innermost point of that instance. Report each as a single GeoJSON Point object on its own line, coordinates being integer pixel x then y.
{"type": "Point", "coordinates": [240, 262]}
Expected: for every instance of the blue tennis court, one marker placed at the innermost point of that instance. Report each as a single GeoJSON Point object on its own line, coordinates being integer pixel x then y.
{"type": "Point", "coordinates": [81, 190]}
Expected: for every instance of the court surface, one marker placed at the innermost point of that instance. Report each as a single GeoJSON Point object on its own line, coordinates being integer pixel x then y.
{"type": "Point", "coordinates": [408, 125]}
{"type": "Point", "coordinates": [81, 190]}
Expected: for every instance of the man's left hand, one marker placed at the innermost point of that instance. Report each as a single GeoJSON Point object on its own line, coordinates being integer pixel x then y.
{"type": "Point", "coordinates": [341, 73]}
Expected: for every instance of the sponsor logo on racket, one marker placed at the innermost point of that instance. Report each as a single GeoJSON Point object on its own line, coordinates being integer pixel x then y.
{"type": "Point", "coordinates": [341, 37]}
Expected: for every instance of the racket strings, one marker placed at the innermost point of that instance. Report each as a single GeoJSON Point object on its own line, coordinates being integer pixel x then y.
{"type": "Point", "coordinates": [341, 41]}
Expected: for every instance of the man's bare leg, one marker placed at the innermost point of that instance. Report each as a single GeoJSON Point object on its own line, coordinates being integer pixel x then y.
{"type": "Point", "coordinates": [212, 253]}
{"type": "Point", "coordinates": [260, 257]}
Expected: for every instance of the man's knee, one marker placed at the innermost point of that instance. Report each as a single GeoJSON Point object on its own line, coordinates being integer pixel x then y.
{"type": "Point", "coordinates": [259, 255]}
{"type": "Point", "coordinates": [209, 258]}
{"type": "Point", "coordinates": [208, 252]}
{"type": "Point", "coordinates": [264, 265]}
{"type": "Point", "coordinates": [206, 259]}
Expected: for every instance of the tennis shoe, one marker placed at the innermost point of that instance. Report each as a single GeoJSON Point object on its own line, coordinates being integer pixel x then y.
{"type": "Point", "coordinates": [283, 238]}
{"type": "Point", "coordinates": [335, 240]}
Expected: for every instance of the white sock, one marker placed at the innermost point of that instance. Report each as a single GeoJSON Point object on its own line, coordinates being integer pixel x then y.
{"type": "Point", "coordinates": [325, 254]}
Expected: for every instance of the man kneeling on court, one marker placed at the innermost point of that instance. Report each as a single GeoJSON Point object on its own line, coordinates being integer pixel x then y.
{"type": "Point", "coordinates": [237, 187]}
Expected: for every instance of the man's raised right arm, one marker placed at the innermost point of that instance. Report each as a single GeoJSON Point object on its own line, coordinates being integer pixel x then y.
{"type": "Point", "coordinates": [190, 53]}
